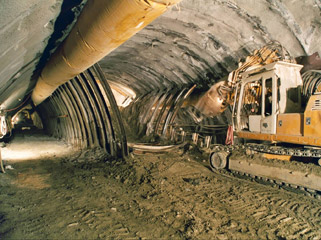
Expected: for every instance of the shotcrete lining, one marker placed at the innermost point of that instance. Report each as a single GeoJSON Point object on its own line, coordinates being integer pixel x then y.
{"type": "Point", "coordinates": [193, 38]}
{"type": "Point", "coordinates": [202, 39]}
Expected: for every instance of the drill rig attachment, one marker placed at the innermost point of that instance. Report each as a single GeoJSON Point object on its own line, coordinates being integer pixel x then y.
{"type": "Point", "coordinates": [269, 106]}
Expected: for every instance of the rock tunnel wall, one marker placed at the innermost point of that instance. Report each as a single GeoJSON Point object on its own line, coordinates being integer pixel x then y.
{"type": "Point", "coordinates": [168, 117]}
{"type": "Point", "coordinates": [202, 41]}
{"type": "Point", "coordinates": [84, 113]}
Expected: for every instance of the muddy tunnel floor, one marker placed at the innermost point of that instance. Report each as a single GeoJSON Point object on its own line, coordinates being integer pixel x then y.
{"type": "Point", "coordinates": [157, 196]}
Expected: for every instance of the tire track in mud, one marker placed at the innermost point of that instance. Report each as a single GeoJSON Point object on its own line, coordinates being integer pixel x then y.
{"type": "Point", "coordinates": [105, 222]}
{"type": "Point", "coordinates": [290, 219]}
{"type": "Point", "coordinates": [262, 205]}
{"type": "Point", "coordinates": [285, 218]}
{"type": "Point", "coordinates": [169, 197]}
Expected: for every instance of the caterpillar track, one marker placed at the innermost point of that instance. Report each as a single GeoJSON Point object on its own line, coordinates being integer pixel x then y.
{"type": "Point", "coordinates": [249, 161]}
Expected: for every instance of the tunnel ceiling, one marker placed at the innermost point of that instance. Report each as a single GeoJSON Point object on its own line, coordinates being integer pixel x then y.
{"type": "Point", "coordinates": [201, 41]}
{"type": "Point", "coordinates": [196, 41]}
{"type": "Point", "coordinates": [25, 27]}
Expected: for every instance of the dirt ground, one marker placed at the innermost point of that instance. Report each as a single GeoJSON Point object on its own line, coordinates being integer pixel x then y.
{"type": "Point", "coordinates": [151, 196]}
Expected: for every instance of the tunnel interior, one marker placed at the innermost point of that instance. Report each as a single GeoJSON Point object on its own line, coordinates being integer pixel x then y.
{"type": "Point", "coordinates": [180, 55]}
{"type": "Point", "coordinates": [126, 149]}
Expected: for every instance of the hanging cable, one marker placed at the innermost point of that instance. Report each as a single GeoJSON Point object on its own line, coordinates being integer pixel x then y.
{"type": "Point", "coordinates": [20, 105]}
{"type": "Point", "coordinates": [1, 163]}
{"type": "Point", "coordinates": [229, 136]}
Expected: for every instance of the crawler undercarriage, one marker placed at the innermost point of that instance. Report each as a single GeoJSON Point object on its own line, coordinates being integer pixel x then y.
{"type": "Point", "coordinates": [262, 162]}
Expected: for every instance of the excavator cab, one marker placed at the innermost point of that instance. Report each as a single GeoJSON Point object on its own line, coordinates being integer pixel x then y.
{"type": "Point", "coordinates": [262, 95]}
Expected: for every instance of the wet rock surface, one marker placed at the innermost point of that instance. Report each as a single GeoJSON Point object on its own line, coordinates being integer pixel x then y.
{"type": "Point", "coordinates": [156, 196]}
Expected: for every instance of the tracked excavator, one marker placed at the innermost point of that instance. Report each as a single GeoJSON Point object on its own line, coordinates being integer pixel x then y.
{"type": "Point", "coordinates": [276, 115]}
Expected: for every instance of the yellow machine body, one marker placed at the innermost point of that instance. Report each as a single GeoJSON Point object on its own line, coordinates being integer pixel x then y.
{"type": "Point", "coordinates": [268, 107]}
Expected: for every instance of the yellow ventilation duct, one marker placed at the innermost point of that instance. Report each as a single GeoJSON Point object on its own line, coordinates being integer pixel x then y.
{"type": "Point", "coordinates": [102, 26]}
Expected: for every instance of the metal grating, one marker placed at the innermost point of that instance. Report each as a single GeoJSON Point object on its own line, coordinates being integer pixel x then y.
{"type": "Point", "coordinates": [316, 105]}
